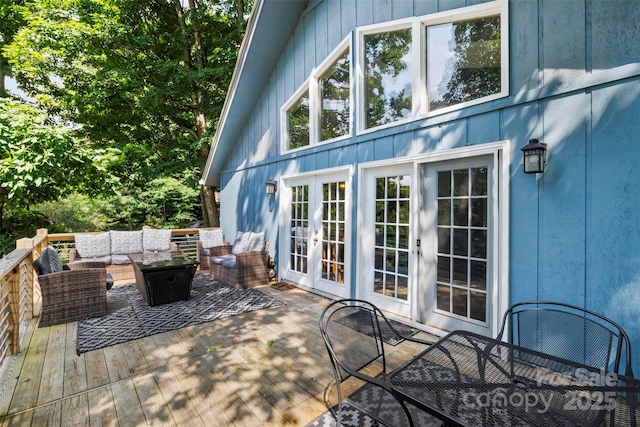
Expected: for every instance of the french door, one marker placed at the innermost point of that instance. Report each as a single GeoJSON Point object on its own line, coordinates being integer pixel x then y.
{"type": "Point", "coordinates": [456, 262]}
{"type": "Point", "coordinates": [315, 232]}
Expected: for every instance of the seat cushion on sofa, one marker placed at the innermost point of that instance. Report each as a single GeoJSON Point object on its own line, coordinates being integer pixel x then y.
{"type": "Point", "coordinates": [93, 245]}
{"type": "Point", "coordinates": [50, 260]}
{"type": "Point", "coordinates": [126, 242]}
{"type": "Point", "coordinates": [154, 240]}
{"type": "Point", "coordinates": [105, 259]}
{"type": "Point", "coordinates": [120, 260]}
{"type": "Point", "coordinates": [211, 238]}
{"type": "Point", "coordinates": [227, 261]}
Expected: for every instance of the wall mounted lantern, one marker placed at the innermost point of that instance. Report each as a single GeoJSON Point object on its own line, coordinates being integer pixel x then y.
{"type": "Point", "coordinates": [271, 187]}
{"type": "Point", "coordinates": [535, 156]}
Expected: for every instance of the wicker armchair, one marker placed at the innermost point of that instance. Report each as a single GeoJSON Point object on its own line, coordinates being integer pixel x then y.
{"type": "Point", "coordinates": [241, 270]}
{"type": "Point", "coordinates": [77, 293]}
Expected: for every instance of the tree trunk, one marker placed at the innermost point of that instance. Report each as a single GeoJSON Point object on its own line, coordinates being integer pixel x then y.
{"type": "Point", "coordinates": [210, 211]}
{"type": "Point", "coordinates": [1, 210]}
{"type": "Point", "coordinates": [240, 18]}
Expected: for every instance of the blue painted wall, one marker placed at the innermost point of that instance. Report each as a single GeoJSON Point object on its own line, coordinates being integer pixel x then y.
{"type": "Point", "coordinates": [574, 83]}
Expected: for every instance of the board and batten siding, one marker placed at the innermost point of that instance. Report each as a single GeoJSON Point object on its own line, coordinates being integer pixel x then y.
{"type": "Point", "coordinates": [574, 78]}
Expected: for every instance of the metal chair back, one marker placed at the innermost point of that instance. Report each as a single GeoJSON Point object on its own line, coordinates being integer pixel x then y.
{"type": "Point", "coordinates": [352, 331]}
{"type": "Point", "coordinates": [568, 332]}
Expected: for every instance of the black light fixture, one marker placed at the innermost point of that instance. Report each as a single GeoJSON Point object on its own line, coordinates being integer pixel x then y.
{"type": "Point", "coordinates": [271, 186]}
{"type": "Point", "coordinates": [535, 156]}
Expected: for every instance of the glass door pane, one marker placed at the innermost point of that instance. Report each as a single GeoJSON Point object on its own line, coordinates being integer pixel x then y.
{"type": "Point", "coordinates": [462, 241]}
{"type": "Point", "coordinates": [392, 207]}
{"type": "Point", "coordinates": [299, 230]}
{"type": "Point", "coordinates": [333, 231]}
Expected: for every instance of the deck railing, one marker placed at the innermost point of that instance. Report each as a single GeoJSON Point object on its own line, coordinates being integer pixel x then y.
{"type": "Point", "coordinates": [20, 297]}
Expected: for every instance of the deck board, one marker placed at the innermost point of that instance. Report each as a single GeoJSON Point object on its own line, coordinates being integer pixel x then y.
{"type": "Point", "coordinates": [263, 368]}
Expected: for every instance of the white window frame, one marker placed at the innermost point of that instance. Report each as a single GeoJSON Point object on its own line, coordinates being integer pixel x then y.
{"type": "Point", "coordinates": [315, 103]}
{"type": "Point", "coordinates": [419, 92]}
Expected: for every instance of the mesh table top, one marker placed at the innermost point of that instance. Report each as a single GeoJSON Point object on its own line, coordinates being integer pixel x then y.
{"type": "Point", "coordinates": [469, 380]}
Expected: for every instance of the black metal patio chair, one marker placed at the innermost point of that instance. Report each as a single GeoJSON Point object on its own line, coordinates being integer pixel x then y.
{"type": "Point", "coordinates": [568, 332]}
{"type": "Point", "coordinates": [353, 334]}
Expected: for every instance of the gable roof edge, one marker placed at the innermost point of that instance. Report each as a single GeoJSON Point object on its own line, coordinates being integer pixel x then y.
{"type": "Point", "coordinates": [269, 29]}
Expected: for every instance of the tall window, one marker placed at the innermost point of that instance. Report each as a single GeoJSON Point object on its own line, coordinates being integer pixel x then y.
{"type": "Point", "coordinates": [321, 109]}
{"type": "Point", "coordinates": [335, 94]}
{"type": "Point", "coordinates": [463, 61]}
{"type": "Point", "coordinates": [391, 269]}
{"type": "Point", "coordinates": [388, 76]}
{"type": "Point", "coordinates": [298, 121]}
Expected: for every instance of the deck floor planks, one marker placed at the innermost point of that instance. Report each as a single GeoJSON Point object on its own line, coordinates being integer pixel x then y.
{"type": "Point", "coordinates": [75, 410]}
{"type": "Point", "coordinates": [199, 388]}
{"type": "Point", "coordinates": [117, 367]}
{"type": "Point", "coordinates": [75, 370]}
{"type": "Point", "coordinates": [177, 400]}
{"type": "Point", "coordinates": [220, 373]}
{"type": "Point", "coordinates": [152, 402]}
{"type": "Point", "coordinates": [27, 389]}
{"type": "Point", "coordinates": [128, 407]}
{"type": "Point", "coordinates": [102, 410]}
{"type": "Point", "coordinates": [96, 368]}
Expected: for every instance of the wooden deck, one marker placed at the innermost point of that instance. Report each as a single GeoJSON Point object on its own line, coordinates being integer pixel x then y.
{"type": "Point", "coordinates": [221, 373]}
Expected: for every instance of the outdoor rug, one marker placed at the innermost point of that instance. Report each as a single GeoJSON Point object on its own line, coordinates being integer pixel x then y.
{"type": "Point", "coordinates": [361, 321]}
{"type": "Point", "coordinates": [129, 317]}
{"type": "Point", "coordinates": [373, 398]}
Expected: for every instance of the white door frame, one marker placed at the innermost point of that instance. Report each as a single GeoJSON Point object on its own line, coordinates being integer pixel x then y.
{"type": "Point", "coordinates": [313, 280]}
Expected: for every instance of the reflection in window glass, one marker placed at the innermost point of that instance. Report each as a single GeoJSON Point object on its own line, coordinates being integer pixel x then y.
{"type": "Point", "coordinates": [334, 90]}
{"type": "Point", "coordinates": [463, 61]}
{"type": "Point", "coordinates": [298, 117]}
{"type": "Point", "coordinates": [462, 244]}
{"type": "Point", "coordinates": [388, 77]}
{"type": "Point", "coordinates": [391, 269]}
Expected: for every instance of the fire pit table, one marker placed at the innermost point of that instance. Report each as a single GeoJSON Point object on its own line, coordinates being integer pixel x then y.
{"type": "Point", "coordinates": [163, 277]}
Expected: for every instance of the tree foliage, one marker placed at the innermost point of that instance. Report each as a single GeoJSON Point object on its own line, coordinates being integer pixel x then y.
{"type": "Point", "coordinates": [142, 79]}
{"type": "Point", "coordinates": [39, 160]}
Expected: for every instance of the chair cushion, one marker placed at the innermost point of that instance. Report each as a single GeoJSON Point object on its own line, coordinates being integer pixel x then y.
{"type": "Point", "coordinates": [50, 261]}
{"type": "Point", "coordinates": [93, 245]}
{"type": "Point", "coordinates": [211, 238]}
{"type": "Point", "coordinates": [248, 242]}
{"type": "Point", "coordinates": [241, 243]}
{"type": "Point", "coordinates": [156, 240]}
{"type": "Point", "coordinates": [120, 260]}
{"type": "Point", "coordinates": [126, 242]}
{"type": "Point", "coordinates": [227, 261]}
{"type": "Point", "coordinates": [256, 242]}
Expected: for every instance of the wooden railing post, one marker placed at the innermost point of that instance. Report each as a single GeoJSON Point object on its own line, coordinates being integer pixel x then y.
{"type": "Point", "coordinates": [14, 311]}
{"type": "Point", "coordinates": [34, 303]}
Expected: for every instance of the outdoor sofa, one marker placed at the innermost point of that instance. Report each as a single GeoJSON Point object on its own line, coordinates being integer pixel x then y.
{"type": "Point", "coordinates": [112, 248]}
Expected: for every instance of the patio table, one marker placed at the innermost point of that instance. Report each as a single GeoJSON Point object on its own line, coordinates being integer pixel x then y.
{"type": "Point", "coordinates": [467, 379]}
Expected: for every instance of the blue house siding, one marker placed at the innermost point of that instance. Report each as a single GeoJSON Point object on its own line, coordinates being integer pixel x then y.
{"type": "Point", "coordinates": [574, 83]}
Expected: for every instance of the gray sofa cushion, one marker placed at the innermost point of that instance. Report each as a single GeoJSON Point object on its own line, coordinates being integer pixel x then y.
{"type": "Point", "coordinates": [156, 240]}
{"type": "Point", "coordinates": [93, 245]}
{"type": "Point", "coordinates": [227, 261]}
{"type": "Point", "coordinates": [126, 242]}
{"type": "Point", "coordinates": [248, 242]}
{"type": "Point", "coordinates": [211, 238]}
{"type": "Point", "coordinates": [119, 260]}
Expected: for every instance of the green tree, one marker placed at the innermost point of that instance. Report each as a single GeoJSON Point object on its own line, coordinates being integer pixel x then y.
{"type": "Point", "coordinates": [143, 77]}
{"type": "Point", "coordinates": [39, 160]}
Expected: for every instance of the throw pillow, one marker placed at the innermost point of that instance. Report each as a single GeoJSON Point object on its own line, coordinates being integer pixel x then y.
{"type": "Point", "coordinates": [50, 261]}
{"type": "Point", "coordinates": [256, 242]}
{"type": "Point", "coordinates": [93, 245]}
{"type": "Point", "coordinates": [211, 238]}
{"type": "Point", "coordinates": [156, 240]}
{"type": "Point", "coordinates": [241, 243]}
{"type": "Point", "coordinates": [126, 242]}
